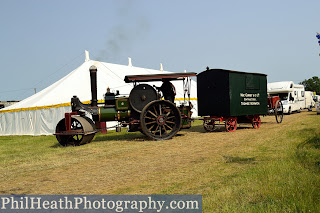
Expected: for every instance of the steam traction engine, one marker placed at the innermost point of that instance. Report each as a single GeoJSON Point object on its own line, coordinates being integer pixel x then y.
{"type": "Point", "coordinates": [143, 110]}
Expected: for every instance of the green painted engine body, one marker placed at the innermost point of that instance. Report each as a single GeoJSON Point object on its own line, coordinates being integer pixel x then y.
{"type": "Point", "coordinates": [119, 111]}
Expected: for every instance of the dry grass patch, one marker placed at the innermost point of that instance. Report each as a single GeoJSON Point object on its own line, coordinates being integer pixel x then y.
{"type": "Point", "coordinates": [232, 171]}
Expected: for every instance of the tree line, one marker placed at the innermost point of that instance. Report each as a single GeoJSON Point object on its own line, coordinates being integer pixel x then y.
{"type": "Point", "coordinates": [312, 84]}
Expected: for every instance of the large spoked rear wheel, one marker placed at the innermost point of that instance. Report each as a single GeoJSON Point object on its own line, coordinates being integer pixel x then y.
{"type": "Point", "coordinates": [82, 131]}
{"type": "Point", "coordinates": [231, 124]}
{"type": "Point", "coordinates": [256, 121]}
{"type": "Point", "coordinates": [160, 120]}
{"type": "Point", "coordinates": [278, 111]}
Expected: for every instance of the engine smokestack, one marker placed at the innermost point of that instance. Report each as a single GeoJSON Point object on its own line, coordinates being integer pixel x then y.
{"type": "Point", "coordinates": [93, 79]}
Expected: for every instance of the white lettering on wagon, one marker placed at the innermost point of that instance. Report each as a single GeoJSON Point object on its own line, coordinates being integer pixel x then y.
{"type": "Point", "coordinates": [250, 99]}
{"type": "Point", "coordinates": [249, 95]}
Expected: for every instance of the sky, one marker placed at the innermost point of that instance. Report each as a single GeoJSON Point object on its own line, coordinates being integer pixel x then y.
{"type": "Point", "coordinates": [42, 41]}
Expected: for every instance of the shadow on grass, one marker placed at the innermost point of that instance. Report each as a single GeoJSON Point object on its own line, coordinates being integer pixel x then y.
{"type": "Point", "coordinates": [119, 136]}
{"type": "Point", "coordinates": [231, 159]}
{"type": "Point", "coordinates": [301, 132]}
{"type": "Point", "coordinates": [114, 136]}
{"type": "Point", "coordinates": [312, 114]}
{"type": "Point", "coordinates": [126, 136]}
{"type": "Point", "coordinates": [195, 128]}
{"type": "Point", "coordinates": [308, 153]}
{"type": "Point", "coordinates": [218, 128]}
{"type": "Point", "coordinates": [313, 142]}
{"type": "Point", "coordinates": [57, 145]}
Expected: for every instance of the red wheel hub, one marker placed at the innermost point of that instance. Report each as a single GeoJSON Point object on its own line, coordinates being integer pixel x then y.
{"type": "Point", "coordinates": [231, 124]}
{"type": "Point", "coordinates": [256, 122]}
{"type": "Point", "coordinates": [161, 120]}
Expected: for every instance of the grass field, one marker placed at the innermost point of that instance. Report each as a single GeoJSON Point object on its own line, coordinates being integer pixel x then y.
{"type": "Point", "coordinates": [273, 169]}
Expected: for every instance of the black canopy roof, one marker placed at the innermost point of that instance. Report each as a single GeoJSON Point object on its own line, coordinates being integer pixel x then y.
{"type": "Point", "coordinates": [158, 77]}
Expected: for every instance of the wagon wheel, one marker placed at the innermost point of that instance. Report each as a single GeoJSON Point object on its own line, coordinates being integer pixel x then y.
{"type": "Point", "coordinates": [208, 125]}
{"type": "Point", "coordinates": [160, 120]}
{"type": "Point", "coordinates": [82, 128]}
{"type": "Point", "coordinates": [278, 111]}
{"type": "Point", "coordinates": [231, 124]}
{"type": "Point", "coordinates": [256, 121]}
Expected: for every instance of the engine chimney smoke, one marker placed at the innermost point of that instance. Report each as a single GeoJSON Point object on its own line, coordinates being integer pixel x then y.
{"type": "Point", "coordinates": [93, 79]}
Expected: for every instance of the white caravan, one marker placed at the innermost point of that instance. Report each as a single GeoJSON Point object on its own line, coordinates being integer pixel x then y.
{"type": "Point", "coordinates": [309, 100]}
{"type": "Point", "coordinates": [317, 100]}
{"type": "Point", "coordinates": [291, 95]}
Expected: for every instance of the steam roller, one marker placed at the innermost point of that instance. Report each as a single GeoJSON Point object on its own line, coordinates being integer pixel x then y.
{"type": "Point", "coordinates": [144, 110]}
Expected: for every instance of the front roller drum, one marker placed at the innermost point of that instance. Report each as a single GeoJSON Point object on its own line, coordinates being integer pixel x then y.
{"type": "Point", "coordinates": [82, 131]}
{"type": "Point", "coordinates": [160, 120]}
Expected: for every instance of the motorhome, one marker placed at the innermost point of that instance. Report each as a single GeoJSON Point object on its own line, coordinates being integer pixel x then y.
{"type": "Point", "coordinates": [309, 100]}
{"type": "Point", "coordinates": [291, 95]}
{"type": "Point", "coordinates": [317, 103]}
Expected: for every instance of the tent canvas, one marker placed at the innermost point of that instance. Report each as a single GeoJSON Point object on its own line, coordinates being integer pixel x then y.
{"type": "Point", "coordinates": [40, 113]}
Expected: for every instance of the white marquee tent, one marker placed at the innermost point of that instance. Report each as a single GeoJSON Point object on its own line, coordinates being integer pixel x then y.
{"type": "Point", "coordinates": [40, 113]}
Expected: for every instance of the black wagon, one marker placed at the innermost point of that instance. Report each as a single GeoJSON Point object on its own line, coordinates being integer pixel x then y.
{"type": "Point", "coordinates": [231, 97]}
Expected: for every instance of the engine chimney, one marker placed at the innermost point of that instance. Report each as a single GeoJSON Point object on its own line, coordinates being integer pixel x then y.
{"type": "Point", "coordinates": [93, 79]}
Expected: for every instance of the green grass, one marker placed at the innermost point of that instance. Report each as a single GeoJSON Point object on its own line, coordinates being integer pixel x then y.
{"type": "Point", "coordinates": [286, 180]}
{"type": "Point", "coordinates": [273, 169]}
